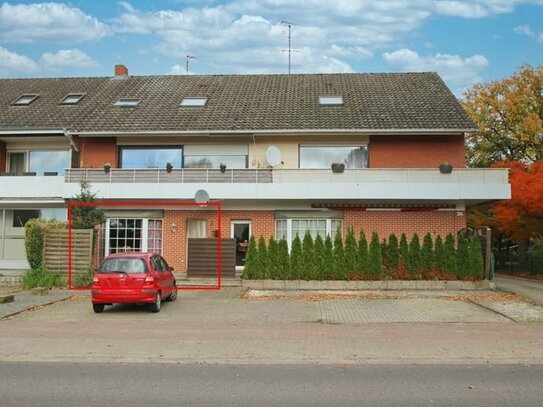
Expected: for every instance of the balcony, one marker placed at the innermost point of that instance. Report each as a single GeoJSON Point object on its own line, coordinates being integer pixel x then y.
{"type": "Point", "coordinates": [31, 188]}
{"type": "Point", "coordinates": [474, 185]}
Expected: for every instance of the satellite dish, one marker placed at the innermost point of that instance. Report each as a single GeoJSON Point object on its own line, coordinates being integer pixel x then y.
{"type": "Point", "coordinates": [201, 196]}
{"type": "Point", "coordinates": [273, 156]}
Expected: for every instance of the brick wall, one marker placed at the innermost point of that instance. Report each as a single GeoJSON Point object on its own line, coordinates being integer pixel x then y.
{"type": "Point", "coordinates": [3, 156]}
{"type": "Point", "coordinates": [416, 151]}
{"type": "Point", "coordinates": [95, 152]}
{"type": "Point", "coordinates": [387, 222]}
{"type": "Point", "coordinates": [174, 243]}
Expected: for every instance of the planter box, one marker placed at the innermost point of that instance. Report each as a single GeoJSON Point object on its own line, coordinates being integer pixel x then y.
{"type": "Point", "coordinates": [368, 285]}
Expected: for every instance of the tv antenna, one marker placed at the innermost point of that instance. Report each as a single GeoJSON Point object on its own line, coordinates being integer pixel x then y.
{"type": "Point", "coordinates": [189, 57]}
{"type": "Point", "coordinates": [289, 24]}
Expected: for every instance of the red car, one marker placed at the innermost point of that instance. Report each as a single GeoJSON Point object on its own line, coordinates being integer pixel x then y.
{"type": "Point", "coordinates": [133, 278]}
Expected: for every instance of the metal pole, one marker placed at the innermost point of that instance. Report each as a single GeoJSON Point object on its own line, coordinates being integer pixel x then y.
{"type": "Point", "coordinates": [488, 252]}
{"type": "Point", "coordinates": [289, 49]}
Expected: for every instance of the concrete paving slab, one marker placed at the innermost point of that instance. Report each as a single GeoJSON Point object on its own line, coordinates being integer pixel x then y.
{"type": "Point", "coordinates": [24, 300]}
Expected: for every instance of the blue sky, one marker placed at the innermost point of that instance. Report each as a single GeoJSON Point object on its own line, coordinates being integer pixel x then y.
{"type": "Point", "coordinates": [465, 41]}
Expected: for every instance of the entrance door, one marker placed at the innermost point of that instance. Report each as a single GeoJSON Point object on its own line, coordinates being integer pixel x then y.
{"type": "Point", "coordinates": [241, 231]}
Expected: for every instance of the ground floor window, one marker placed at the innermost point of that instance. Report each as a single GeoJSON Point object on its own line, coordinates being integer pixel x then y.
{"type": "Point", "coordinates": [133, 235]}
{"type": "Point", "coordinates": [288, 228]}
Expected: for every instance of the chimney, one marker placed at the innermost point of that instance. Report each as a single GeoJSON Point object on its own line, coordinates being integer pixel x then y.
{"type": "Point", "coordinates": [121, 71]}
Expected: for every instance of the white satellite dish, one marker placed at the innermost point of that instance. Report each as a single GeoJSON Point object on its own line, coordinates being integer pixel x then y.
{"type": "Point", "coordinates": [273, 156]}
{"type": "Point", "coordinates": [201, 196]}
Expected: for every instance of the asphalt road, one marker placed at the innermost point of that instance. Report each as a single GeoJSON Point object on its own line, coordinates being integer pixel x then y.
{"type": "Point", "coordinates": [94, 384]}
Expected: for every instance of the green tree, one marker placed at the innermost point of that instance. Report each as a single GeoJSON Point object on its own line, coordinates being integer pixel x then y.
{"type": "Point", "coordinates": [351, 258]}
{"type": "Point", "coordinates": [251, 269]}
{"type": "Point", "coordinates": [84, 214]}
{"type": "Point", "coordinates": [476, 263]}
{"type": "Point", "coordinates": [319, 262]}
{"type": "Point", "coordinates": [273, 259]}
{"type": "Point", "coordinates": [263, 258]}
{"type": "Point", "coordinates": [362, 254]}
{"type": "Point", "coordinates": [393, 254]}
{"type": "Point", "coordinates": [284, 259]}
{"type": "Point", "coordinates": [308, 254]}
{"type": "Point", "coordinates": [404, 252]}
{"type": "Point", "coordinates": [414, 257]}
{"type": "Point", "coordinates": [340, 271]}
{"type": "Point", "coordinates": [462, 256]}
{"type": "Point", "coordinates": [451, 263]}
{"type": "Point", "coordinates": [375, 257]}
{"type": "Point", "coordinates": [328, 270]}
{"type": "Point", "coordinates": [296, 259]}
{"type": "Point", "coordinates": [439, 255]}
{"type": "Point", "coordinates": [427, 253]}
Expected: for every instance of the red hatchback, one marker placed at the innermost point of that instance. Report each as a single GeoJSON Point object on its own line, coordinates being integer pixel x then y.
{"type": "Point", "coordinates": [133, 278]}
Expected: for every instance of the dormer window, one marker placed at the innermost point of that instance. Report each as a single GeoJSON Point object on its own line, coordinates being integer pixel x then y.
{"type": "Point", "coordinates": [331, 100]}
{"type": "Point", "coordinates": [191, 102]}
{"type": "Point", "coordinates": [72, 99]}
{"type": "Point", "coordinates": [127, 102]}
{"type": "Point", "coordinates": [25, 100]}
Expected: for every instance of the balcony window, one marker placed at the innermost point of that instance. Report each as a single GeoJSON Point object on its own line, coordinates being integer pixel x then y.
{"type": "Point", "coordinates": [150, 157]}
{"type": "Point", "coordinates": [38, 161]}
{"type": "Point", "coordinates": [133, 235]}
{"type": "Point", "coordinates": [288, 228]}
{"type": "Point", "coordinates": [325, 156]}
{"type": "Point", "coordinates": [214, 161]}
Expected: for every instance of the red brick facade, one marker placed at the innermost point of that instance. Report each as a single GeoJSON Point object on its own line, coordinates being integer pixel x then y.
{"type": "Point", "coordinates": [416, 151]}
{"type": "Point", "coordinates": [263, 223]}
{"type": "Point", "coordinates": [3, 155]}
{"type": "Point", "coordinates": [95, 152]}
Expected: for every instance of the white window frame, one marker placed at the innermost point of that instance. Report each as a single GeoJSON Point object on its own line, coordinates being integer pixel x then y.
{"type": "Point", "coordinates": [240, 222]}
{"type": "Point", "coordinates": [27, 151]}
{"type": "Point", "coordinates": [290, 236]}
{"type": "Point", "coordinates": [144, 234]}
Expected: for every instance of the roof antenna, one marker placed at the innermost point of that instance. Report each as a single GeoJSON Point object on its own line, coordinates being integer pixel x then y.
{"type": "Point", "coordinates": [289, 49]}
{"type": "Point", "coordinates": [189, 57]}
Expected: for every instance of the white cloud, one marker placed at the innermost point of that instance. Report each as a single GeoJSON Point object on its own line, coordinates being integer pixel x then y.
{"type": "Point", "coordinates": [48, 22]}
{"type": "Point", "coordinates": [459, 72]}
{"type": "Point", "coordinates": [528, 32]}
{"type": "Point", "coordinates": [13, 63]}
{"type": "Point", "coordinates": [67, 58]}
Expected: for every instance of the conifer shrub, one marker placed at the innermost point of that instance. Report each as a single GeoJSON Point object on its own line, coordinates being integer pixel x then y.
{"type": "Point", "coordinates": [308, 255]}
{"type": "Point", "coordinates": [34, 231]}
{"type": "Point", "coordinates": [375, 257]}
{"type": "Point", "coordinates": [351, 258]}
{"type": "Point", "coordinates": [319, 260]}
{"type": "Point", "coordinates": [362, 254]}
{"type": "Point", "coordinates": [296, 259]}
{"type": "Point", "coordinates": [328, 269]}
{"type": "Point", "coordinates": [273, 260]}
{"type": "Point", "coordinates": [439, 255]}
{"type": "Point", "coordinates": [462, 257]}
{"type": "Point", "coordinates": [450, 261]}
{"type": "Point", "coordinates": [476, 262]}
{"type": "Point", "coordinates": [263, 258]}
{"type": "Point", "coordinates": [339, 268]}
{"type": "Point", "coordinates": [414, 258]}
{"type": "Point", "coordinates": [404, 255]}
{"type": "Point", "coordinates": [252, 264]}
{"type": "Point", "coordinates": [284, 260]}
{"type": "Point", "coordinates": [427, 254]}
{"type": "Point", "coordinates": [393, 254]}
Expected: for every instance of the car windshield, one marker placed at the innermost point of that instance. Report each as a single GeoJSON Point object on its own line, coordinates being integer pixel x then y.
{"type": "Point", "coordinates": [123, 265]}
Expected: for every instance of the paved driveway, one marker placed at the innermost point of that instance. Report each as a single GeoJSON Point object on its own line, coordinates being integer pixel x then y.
{"type": "Point", "coordinates": [530, 289]}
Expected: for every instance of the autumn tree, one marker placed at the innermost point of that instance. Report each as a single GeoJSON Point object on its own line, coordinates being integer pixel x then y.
{"type": "Point", "coordinates": [509, 117]}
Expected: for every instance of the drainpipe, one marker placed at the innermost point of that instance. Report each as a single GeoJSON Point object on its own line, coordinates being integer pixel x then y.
{"type": "Point", "coordinates": [70, 137]}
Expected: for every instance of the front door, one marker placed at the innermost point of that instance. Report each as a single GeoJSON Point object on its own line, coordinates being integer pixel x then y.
{"type": "Point", "coordinates": [241, 231]}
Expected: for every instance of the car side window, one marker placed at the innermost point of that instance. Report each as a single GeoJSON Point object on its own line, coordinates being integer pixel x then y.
{"type": "Point", "coordinates": [163, 263]}
{"type": "Point", "coordinates": [155, 263]}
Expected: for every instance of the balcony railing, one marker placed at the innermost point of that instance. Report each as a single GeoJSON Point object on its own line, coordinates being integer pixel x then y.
{"type": "Point", "coordinates": [290, 176]}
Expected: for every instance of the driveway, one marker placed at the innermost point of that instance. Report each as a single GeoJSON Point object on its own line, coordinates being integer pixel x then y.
{"type": "Point", "coordinates": [530, 289]}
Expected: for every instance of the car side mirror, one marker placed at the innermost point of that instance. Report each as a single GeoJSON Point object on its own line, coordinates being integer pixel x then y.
{"type": "Point", "coordinates": [171, 268]}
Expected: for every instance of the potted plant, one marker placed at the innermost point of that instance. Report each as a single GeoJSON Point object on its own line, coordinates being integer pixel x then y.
{"type": "Point", "coordinates": [223, 167]}
{"type": "Point", "coordinates": [107, 168]}
{"type": "Point", "coordinates": [445, 168]}
{"type": "Point", "coordinates": [338, 168]}
{"type": "Point", "coordinates": [169, 167]}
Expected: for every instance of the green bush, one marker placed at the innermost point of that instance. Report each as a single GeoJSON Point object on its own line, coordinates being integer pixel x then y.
{"type": "Point", "coordinates": [351, 258]}
{"type": "Point", "coordinates": [404, 252]}
{"type": "Point", "coordinates": [319, 261]}
{"type": "Point", "coordinates": [362, 253]}
{"type": "Point", "coordinates": [273, 259]}
{"type": "Point", "coordinates": [462, 257]}
{"type": "Point", "coordinates": [427, 254]}
{"type": "Point", "coordinates": [339, 269]}
{"type": "Point", "coordinates": [414, 257]}
{"type": "Point", "coordinates": [82, 278]}
{"type": "Point", "coordinates": [451, 263]}
{"type": "Point", "coordinates": [284, 259]}
{"type": "Point", "coordinates": [440, 262]}
{"type": "Point", "coordinates": [392, 254]}
{"type": "Point", "coordinates": [296, 259]}
{"type": "Point", "coordinates": [308, 256]}
{"type": "Point", "coordinates": [251, 269]}
{"type": "Point", "coordinates": [375, 257]}
{"type": "Point", "coordinates": [328, 269]}
{"type": "Point", "coordinates": [34, 231]}
{"type": "Point", "coordinates": [40, 277]}
{"type": "Point", "coordinates": [476, 262]}
{"type": "Point", "coordinates": [263, 259]}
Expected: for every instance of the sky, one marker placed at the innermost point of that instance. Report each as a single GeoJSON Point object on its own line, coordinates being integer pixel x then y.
{"type": "Point", "coordinates": [464, 41]}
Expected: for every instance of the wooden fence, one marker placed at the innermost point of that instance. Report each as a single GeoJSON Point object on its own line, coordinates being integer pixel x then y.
{"type": "Point", "coordinates": [55, 250]}
{"type": "Point", "coordinates": [202, 258]}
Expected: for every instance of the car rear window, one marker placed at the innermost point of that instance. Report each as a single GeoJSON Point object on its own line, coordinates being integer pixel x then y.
{"type": "Point", "coordinates": [123, 265]}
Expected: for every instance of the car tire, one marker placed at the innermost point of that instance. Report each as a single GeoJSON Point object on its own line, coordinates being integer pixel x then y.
{"type": "Point", "coordinates": [173, 295]}
{"type": "Point", "coordinates": [98, 308]}
{"type": "Point", "coordinates": [155, 307]}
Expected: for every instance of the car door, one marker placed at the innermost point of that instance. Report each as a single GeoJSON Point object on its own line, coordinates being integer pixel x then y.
{"type": "Point", "coordinates": [169, 279]}
{"type": "Point", "coordinates": [158, 273]}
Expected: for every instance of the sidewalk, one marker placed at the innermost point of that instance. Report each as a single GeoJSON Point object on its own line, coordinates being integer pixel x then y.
{"type": "Point", "coordinates": [530, 289]}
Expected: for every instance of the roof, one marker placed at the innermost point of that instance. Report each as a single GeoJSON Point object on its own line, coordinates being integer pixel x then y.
{"type": "Point", "coordinates": [372, 101]}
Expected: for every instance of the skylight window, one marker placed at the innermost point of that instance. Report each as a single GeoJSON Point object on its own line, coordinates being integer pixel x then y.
{"type": "Point", "coordinates": [25, 100]}
{"type": "Point", "coordinates": [194, 102]}
{"type": "Point", "coordinates": [72, 99]}
{"type": "Point", "coordinates": [331, 100]}
{"type": "Point", "coordinates": [127, 102]}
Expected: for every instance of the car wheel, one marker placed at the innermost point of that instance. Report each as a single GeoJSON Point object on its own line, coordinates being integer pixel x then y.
{"type": "Point", "coordinates": [98, 308]}
{"type": "Point", "coordinates": [155, 307]}
{"type": "Point", "coordinates": [173, 295]}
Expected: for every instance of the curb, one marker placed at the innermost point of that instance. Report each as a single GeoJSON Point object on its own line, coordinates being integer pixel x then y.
{"type": "Point", "coordinates": [368, 285]}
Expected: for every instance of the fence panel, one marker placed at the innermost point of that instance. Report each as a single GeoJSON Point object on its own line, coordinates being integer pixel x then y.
{"type": "Point", "coordinates": [202, 257]}
{"type": "Point", "coordinates": [55, 250]}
